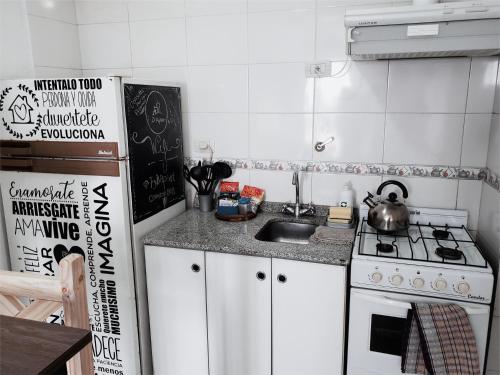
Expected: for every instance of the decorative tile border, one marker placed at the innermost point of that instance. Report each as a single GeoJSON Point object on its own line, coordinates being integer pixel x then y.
{"type": "Point", "coordinates": [371, 169]}
{"type": "Point", "coordinates": [491, 179]}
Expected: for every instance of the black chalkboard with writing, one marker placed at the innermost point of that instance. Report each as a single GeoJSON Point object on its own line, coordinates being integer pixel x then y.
{"type": "Point", "coordinates": [154, 132]}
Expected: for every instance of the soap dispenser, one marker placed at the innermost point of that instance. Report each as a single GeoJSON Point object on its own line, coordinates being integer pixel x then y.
{"type": "Point", "coordinates": [346, 196]}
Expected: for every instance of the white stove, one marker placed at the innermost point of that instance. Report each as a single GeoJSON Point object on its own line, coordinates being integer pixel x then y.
{"type": "Point", "coordinates": [435, 261]}
{"type": "Point", "coordinates": [437, 256]}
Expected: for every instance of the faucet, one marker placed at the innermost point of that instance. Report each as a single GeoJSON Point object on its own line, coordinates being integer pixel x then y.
{"type": "Point", "coordinates": [297, 209]}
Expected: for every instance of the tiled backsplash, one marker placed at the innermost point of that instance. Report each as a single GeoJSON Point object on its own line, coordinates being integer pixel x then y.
{"type": "Point", "coordinates": [241, 64]}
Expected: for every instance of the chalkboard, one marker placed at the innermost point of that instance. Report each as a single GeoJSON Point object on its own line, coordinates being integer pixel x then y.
{"type": "Point", "coordinates": [154, 132]}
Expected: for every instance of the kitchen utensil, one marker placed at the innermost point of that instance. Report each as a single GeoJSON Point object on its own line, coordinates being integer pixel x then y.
{"type": "Point", "coordinates": [388, 214]}
{"type": "Point", "coordinates": [196, 173]}
{"type": "Point", "coordinates": [188, 177]}
{"type": "Point", "coordinates": [206, 174]}
{"type": "Point", "coordinates": [220, 171]}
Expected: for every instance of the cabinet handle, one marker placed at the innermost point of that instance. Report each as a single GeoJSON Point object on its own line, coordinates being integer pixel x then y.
{"type": "Point", "coordinates": [195, 267]}
{"type": "Point", "coordinates": [281, 278]}
{"type": "Point", "coordinates": [261, 275]}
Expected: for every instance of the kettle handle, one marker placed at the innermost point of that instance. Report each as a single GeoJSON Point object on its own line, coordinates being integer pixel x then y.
{"type": "Point", "coordinates": [393, 182]}
{"type": "Point", "coordinates": [368, 200]}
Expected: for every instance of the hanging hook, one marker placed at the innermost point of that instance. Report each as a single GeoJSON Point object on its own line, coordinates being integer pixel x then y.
{"type": "Point", "coordinates": [320, 146]}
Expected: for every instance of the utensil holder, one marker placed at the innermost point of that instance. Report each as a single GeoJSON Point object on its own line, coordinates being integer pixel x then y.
{"type": "Point", "coordinates": [206, 202]}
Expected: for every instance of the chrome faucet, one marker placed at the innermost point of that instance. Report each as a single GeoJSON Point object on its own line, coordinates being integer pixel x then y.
{"type": "Point", "coordinates": [297, 209]}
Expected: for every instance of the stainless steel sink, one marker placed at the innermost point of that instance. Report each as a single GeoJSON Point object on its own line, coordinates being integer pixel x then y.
{"type": "Point", "coordinates": [286, 231]}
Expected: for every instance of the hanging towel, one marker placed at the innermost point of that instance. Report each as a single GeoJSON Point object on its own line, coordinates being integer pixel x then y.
{"type": "Point", "coordinates": [439, 340]}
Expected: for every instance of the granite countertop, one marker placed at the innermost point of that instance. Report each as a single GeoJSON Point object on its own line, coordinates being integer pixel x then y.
{"type": "Point", "coordinates": [198, 230]}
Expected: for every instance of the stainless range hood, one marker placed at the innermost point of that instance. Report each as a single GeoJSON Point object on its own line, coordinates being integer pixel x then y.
{"type": "Point", "coordinates": [468, 28]}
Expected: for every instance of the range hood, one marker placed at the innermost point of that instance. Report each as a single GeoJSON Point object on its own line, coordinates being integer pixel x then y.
{"type": "Point", "coordinates": [465, 28]}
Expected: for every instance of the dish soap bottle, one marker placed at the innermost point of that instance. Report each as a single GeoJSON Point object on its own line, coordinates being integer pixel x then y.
{"type": "Point", "coordinates": [346, 197]}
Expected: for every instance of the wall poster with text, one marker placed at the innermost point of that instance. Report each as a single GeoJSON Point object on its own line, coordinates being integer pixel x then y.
{"type": "Point", "coordinates": [50, 215]}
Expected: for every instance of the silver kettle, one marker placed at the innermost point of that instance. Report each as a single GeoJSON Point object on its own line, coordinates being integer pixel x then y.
{"type": "Point", "coordinates": [388, 214]}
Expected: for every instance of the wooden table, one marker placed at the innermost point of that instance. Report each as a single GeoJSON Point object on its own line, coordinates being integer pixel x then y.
{"type": "Point", "coordinates": [29, 347]}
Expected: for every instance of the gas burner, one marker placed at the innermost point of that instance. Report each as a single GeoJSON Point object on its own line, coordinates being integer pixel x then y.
{"type": "Point", "coordinates": [440, 234]}
{"type": "Point", "coordinates": [448, 253]}
{"type": "Point", "coordinates": [385, 247]}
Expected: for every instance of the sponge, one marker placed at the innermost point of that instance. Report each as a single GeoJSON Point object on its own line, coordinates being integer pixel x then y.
{"type": "Point", "coordinates": [340, 213]}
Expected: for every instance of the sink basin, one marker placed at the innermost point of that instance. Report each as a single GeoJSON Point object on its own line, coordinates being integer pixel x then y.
{"type": "Point", "coordinates": [286, 231]}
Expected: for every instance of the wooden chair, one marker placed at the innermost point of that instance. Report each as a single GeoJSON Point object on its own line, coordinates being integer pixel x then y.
{"type": "Point", "coordinates": [49, 293]}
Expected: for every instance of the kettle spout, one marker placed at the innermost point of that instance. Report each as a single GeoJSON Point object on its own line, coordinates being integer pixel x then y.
{"type": "Point", "coordinates": [369, 201]}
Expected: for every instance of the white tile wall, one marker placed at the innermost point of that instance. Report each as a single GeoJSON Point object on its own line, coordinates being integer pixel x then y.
{"type": "Point", "coordinates": [428, 85]}
{"type": "Point", "coordinates": [356, 87]}
{"type": "Point", "coordinates": [281, 136]}
{"type": "Point", "coordinates": [326, 188]}
{"type": "Point", "coordinates": [423, 138]}
{"type": "Point", "coordinates": [476, 136]}
{"type": "Point", "coordinates": [222, 130]}
{"type": "Point", "coordinates": [281, 36]}
{"type": "Point", "coordinates": [493, 162]}
{"type": "Point", "coordinates": [105, 45]}
{"type": "Point", "coordinates": [466, 191]}
{"type": "Point", "coordinates": [61, 10]}
{"type": "Point", "coordinates": [330, 33]}
{"type": "Point", "coordinates": [270, 5]}
{"type": "Point", "coordinates": [16, 59]}
{"type": "Point", "coordinates": [218, 39]}
{"type": "Point", "coordinates": [65, 53]}
{"type": "Point", "coordinates": [496, 106]}
{"type": "Point", "coordinates": [221, 88]}
{"type": "Point", "coordinates": [98, 11]}
{"type": "Point", "coordinates": [280, 88]}
{"type": "Point", "coordinates": [158, 42]}
{"type": "Point", "coordinates": [140, 10]}
{"type": "Point", "coordinates": [113, 72]}
{"type": "Point", "coordinates": [358, 136]}
{"type": "Point", "coordinates": [51, 72]}
{"type": "Point", "coordinates": [481, 93]}
{"type": "Point", "coordinates": [211, 7]}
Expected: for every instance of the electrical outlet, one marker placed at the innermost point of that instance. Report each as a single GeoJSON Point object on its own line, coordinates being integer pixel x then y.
{"type": "Point", "coordinates": [207, 146]}
{"type": "Point", "coordinates": [319, 69]}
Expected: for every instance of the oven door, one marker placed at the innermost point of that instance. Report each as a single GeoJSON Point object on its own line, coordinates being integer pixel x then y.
{"type": "Point", "coordinates": [376, 324]}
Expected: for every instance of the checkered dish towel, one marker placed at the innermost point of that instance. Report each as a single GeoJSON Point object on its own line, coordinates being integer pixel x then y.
{"type": "Point", "coordinates": [439, 340]}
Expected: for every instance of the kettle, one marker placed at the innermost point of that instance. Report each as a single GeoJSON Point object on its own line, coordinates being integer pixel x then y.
{"type": "Point", "coordinates": [388, 214]}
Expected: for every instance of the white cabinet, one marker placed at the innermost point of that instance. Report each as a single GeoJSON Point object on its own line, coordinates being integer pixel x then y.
{"type": "Point", "coordinates": [177, 310]}
{"type": "Point", "coordinates": [239, 314]}
{"type": "Point", "coordinates": [308, 318]}
{"type": "Point", "coordinates": [223, 314]}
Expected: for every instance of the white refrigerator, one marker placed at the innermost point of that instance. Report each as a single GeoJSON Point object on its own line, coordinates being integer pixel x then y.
{"type": "Point", "coordinates": [89, 165]}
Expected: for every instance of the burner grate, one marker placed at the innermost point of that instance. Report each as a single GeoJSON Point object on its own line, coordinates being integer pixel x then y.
{"type": "Point", "coordinates": [438, 235]}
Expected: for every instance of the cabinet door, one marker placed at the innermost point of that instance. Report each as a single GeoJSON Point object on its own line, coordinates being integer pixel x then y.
{"type": "Point", "coordinates": [177, 310]}
{"type": "Point", "coordinates": [308, 318]}
{"type": "Point", "coordinates": [239, 314]}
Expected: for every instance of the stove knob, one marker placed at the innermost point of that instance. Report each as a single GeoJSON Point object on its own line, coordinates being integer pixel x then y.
{"type": "Point", "coordinates": [463, 287]}
{"type": "Point", "coordinates": [418, 282]}
{"type": "Point", "coordinates": [376, 277]}
{"type": "Point", "coordinates": [397, 280]}
{"type": "Point", "coordinates": [440, 284]}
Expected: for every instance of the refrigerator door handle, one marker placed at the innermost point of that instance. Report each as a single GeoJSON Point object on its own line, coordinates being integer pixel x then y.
{"type": "Point", "coordinates": [8, 148]}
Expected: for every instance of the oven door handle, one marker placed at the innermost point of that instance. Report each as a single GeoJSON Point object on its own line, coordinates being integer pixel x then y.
{"type": "Point", "coordinates": [406, 305]}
